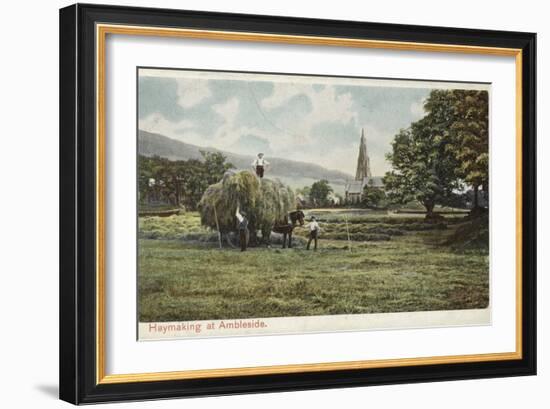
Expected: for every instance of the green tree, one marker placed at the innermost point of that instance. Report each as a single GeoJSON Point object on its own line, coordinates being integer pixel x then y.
{"type": "Point", "coordinates": [469, 134]}
{"type": "Point", "coordinates": [319, 192]}
{"type": "Point", "coordinates": [196, 175]}
{"type": "Point", "coordinates": [215, 166]}
{"type": "Point", "coordinates": [194, 179]}
{"type": "Point", "coordinates": [437, 155]}
{"type": "Point", "coordinates": [463, 117]}
{"type": "Point", "coordinates": [373, 196]}
{"type": "Point", "coordinates": [424, 168]}
{"type": "Point", "coordinates": [181, 182]}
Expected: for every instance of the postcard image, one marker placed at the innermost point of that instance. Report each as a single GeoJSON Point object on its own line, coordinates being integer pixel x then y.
{"type": "Point", "coordinates": [280, 203]}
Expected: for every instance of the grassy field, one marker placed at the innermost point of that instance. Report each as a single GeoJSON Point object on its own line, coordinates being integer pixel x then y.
{"type": "Point", "coordinates": [396, 263]}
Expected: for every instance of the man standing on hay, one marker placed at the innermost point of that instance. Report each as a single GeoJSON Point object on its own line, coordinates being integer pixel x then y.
{"type": "Point", "coordinates": [242, 226]}
{"type": "Point", "coordinates": [259, 165]}
{"type": "Point", "coordinates": [314, 230]}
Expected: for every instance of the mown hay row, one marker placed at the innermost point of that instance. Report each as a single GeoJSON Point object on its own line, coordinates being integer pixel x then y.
{"type": "Point", "coordinates": [339, 219]}
{"type": "Point", "coordinates": [356, 236]}
{"type": "Point", "coordinates": [392, 230]}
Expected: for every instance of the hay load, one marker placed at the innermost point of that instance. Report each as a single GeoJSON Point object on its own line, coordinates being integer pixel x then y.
{"type": "Point", "coordinates": [264, 202]}
{"type": "Point", "coordinates": [275, 201]}
{"type": "Point", "coordinates": [221, 199]}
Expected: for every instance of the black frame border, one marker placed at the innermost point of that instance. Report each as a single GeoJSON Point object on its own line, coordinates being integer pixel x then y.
{"type": "Point", "coordinates": [77, 255]}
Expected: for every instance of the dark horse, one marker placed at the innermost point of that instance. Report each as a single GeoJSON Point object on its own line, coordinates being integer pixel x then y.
{"type": "Point", "coordinates": [285, 227]}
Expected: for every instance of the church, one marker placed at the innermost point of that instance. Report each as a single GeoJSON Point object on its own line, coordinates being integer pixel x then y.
{"type": "Point", "coordinates": [363, 176]}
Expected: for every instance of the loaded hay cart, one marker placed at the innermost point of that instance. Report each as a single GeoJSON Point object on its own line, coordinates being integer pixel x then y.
{"type": "Point", "coordinates": [265, 202]}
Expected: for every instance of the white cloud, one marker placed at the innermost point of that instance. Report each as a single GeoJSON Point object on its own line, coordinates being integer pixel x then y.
{"type": "Point", "coordinates": [157, 123]}
{"type": "Point", "coordinates": [326, 106]}
{"type": "Point", "coordinates": [344, 157]}
{"type": "Point", "coordinates": [227, 134]}
{"type": "Point", "coordinates": [282, 92]}
{"type": "Point", "coordinates": [284, 134]}
{"type": "Point", "coordinates": [228, 110]}
{"type": "Point", "coordinates": [181, 130]}
{"type": "Point", "coordinates": [192, 91]}
{"type": "Point", "coordinates": [230, 132]}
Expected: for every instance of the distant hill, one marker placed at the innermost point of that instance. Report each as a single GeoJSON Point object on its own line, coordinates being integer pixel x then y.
{"type": "Point", "coordinates": [293, 173]}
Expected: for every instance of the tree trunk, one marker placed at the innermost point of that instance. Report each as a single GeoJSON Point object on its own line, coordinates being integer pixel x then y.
{"type": "Point", "coordinates": [178, 192]}
{"type": "Point", "coordinates": [429, 205]}
{"type": "Point", "coordinates": [476, 196]}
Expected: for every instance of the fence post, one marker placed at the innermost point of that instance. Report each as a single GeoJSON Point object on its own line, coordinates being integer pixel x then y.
{"type": "Point", "coordinates": [347, 229]}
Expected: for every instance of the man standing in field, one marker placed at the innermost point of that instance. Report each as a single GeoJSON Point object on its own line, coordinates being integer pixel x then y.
{"type": "Point", "coordinates": [314, 230]}
{"type": "Point", "coordinates": [242, 226]}
{"type": "Point", "coordinates": [259, 165]}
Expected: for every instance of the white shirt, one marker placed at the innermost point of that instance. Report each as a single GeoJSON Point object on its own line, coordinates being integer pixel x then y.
{"type": "Point", "coordinates": [313, 226]}
{"type": "Point", "coordinates": [239, 215]}
{"type": "Point", "coordinates": [260, 162]}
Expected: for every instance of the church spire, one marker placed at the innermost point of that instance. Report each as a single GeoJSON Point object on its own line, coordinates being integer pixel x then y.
{"type": "Point", "coordinates": [363, 161]}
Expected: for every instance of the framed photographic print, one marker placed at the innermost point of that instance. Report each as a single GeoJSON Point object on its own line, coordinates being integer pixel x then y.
{"type": "Point", "coordinates": [258, 203]}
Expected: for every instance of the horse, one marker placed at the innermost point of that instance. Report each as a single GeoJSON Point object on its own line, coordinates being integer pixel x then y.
{"type": "Point", "coordinates": [285, 227]}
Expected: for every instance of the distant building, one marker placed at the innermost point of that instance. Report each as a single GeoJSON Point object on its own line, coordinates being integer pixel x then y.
{"type": "Point", "coordinates": [301, 201]}
{"type": "Point", "coordinates": [333, 199]}
{"type": "Point", "coordinates": [363, 176]}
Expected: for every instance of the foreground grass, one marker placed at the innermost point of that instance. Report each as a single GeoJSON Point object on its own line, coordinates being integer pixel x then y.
{"type": "Point", "coordinates": [190, 280]}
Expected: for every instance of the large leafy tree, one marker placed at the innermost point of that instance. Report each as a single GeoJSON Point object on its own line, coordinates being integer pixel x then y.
{"type": "Point", "coordinates": [425, 169]}
{"type": "Point", "coordinates": [469, 134]}
{"type": "Point", "coordinates": [441, 152]}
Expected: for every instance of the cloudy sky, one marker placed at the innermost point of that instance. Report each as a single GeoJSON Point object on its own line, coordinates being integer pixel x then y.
{"type": "Point", "coordinates": [306, 118]}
